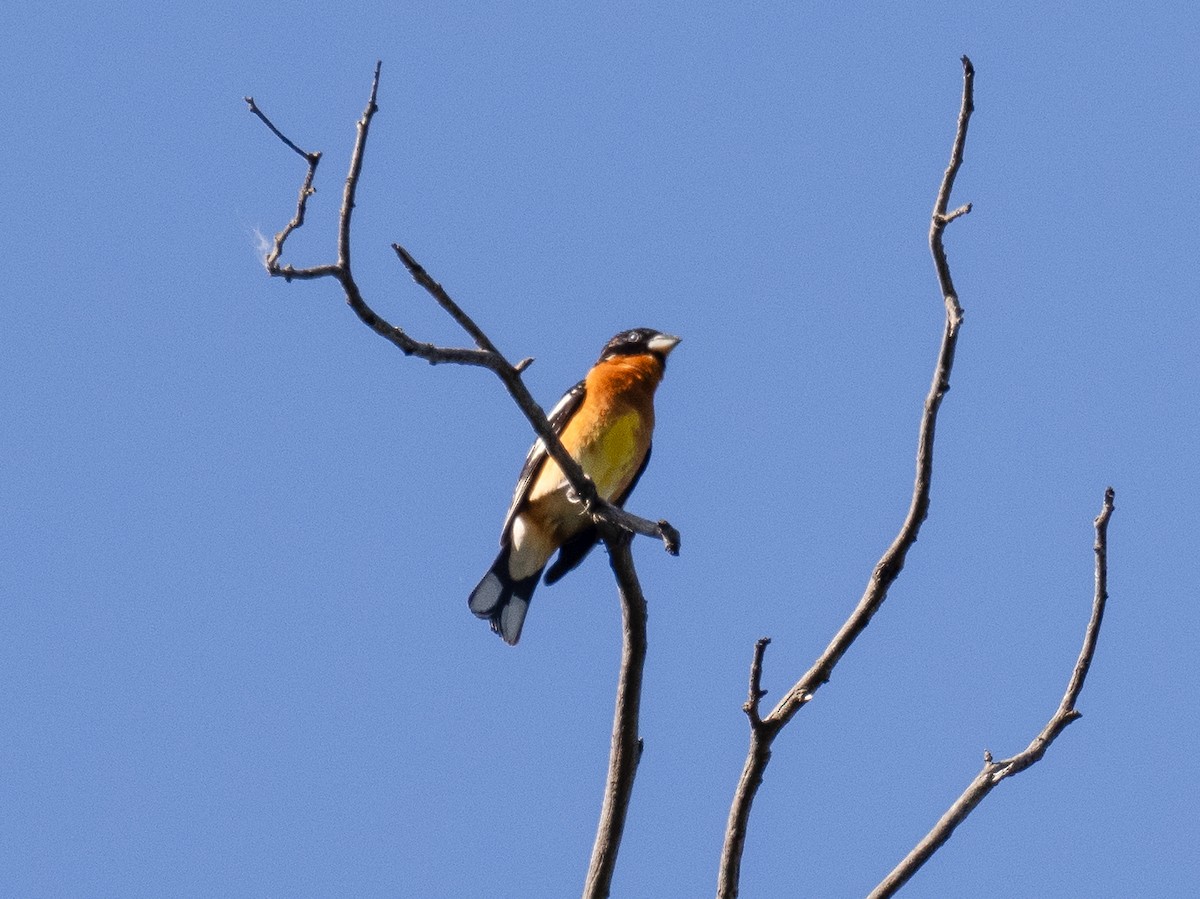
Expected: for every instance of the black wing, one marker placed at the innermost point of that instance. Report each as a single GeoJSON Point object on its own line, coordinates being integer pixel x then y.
{"type": "Point", "coordinates": [558, 417]}
{"type": "Point", "coordinates": [573, 551]}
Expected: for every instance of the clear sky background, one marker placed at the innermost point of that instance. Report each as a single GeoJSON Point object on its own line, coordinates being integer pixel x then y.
{"type": "Point", "coordinates": [238, 529]}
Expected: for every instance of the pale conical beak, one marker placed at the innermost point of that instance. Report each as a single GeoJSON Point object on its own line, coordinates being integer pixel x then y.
{"type": "Point", "coordinates": [663, 343]}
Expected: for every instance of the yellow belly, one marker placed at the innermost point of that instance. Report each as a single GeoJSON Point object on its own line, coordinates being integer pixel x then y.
{"type": "Point", "coordinates": [610, 458]}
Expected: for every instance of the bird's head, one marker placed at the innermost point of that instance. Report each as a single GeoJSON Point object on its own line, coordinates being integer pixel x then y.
{"type": "Point", "coordinates": [640, 341]}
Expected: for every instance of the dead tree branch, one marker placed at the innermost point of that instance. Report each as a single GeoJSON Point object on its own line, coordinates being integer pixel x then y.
{"type": "Point", "coordinates": [994, 772]}
{"type": "Point", "coordinates": [626, 749]}
{"type": "Point", "coordinates": [484, 355]}
{"type": "Point", "coordinates": [617, 525]}
{"type": "Point", "coordinates": [764, 730]}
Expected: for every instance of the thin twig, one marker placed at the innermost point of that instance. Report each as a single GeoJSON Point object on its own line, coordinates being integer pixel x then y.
{"type": "Point", "coordinates": [994, 772]}
{"type": "Point", "coordinates": [311, 158]}
{"type": "Point", "coordinates": [763, 733]}
{"type": "Point", "coordinates": [306, 191]}
{"type": "Point", "coordinates": [626, 749]}
{"type": "Point", "coordinates": [435, 290]}
{"type": "Point", "coordinates": [751, 707]}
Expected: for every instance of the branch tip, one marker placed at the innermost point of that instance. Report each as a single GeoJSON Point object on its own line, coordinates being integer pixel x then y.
{"type": "Point", "coordinates": [670, 537]}
{"type": "Point", "coordinates": [372, 106]}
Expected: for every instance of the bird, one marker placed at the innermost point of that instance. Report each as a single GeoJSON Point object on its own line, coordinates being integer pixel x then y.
{"type": "Point", "coordinates": [606, 423]}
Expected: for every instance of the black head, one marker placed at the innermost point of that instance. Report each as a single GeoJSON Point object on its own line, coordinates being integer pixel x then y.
{"type": "Point", "coordinates": [638, 342]}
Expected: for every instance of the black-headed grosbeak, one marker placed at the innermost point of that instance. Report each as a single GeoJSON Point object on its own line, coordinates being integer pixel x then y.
{"type": "Point", "coordinates": [605, 422]}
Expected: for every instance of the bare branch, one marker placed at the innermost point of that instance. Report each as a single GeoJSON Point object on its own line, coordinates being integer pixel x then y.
{"type": "Point", "coordinates": [995, 771]}
{"type": "Point", "coordinates": [892, 562]}
{"type": "Point", "coordinates": [626, 749]}
{"type": "Point", "coordinates": [485, 355]}
{"type": "Point", "coordinates": [617, 525]}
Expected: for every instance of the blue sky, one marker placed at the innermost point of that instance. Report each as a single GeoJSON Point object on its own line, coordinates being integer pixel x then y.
{"type": "Point", "coordinates": [239, 529]}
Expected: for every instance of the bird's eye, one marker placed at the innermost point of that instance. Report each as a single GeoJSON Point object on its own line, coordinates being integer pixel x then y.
{"type": "Point", "coordinates": [633, 336]}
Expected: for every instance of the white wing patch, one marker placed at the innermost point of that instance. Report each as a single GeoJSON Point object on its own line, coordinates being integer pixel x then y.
{"type": "Point", "coordinates": [517, 535]}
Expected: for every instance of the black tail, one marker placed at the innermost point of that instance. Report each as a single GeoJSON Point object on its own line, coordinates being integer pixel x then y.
{"type": "Point", "coordinates": [502, 599]}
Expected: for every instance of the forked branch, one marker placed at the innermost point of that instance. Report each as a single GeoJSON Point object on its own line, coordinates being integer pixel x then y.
{"type": "Point", "coordinates": [763, 730]}
{"type": "Point", "coordinates": [483, 355]}
{"type": "Point", "coordinates": [995, 771]}
{"type": "Point", "coordinates": [617, 525]}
